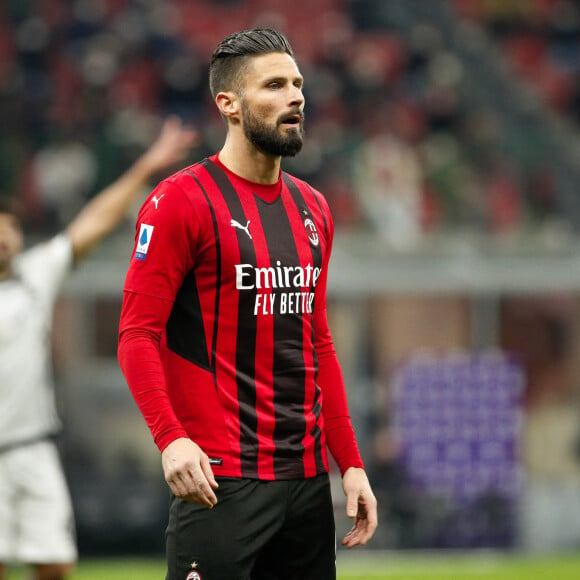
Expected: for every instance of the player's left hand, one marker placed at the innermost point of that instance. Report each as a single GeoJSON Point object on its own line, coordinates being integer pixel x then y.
{"type": "Point", "coordinates": [361, 506]}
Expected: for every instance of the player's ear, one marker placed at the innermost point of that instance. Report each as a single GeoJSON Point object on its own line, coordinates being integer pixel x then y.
{"type": "Point", "coordinates": [228, 104]}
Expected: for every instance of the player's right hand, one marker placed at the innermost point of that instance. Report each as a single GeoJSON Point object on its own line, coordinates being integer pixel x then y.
{"type": "Point", "coordinates": [188, 472]}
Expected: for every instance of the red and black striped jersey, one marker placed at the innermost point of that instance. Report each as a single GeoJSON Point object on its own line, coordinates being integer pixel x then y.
{"type": "Point", "coordinates": [224, 337]}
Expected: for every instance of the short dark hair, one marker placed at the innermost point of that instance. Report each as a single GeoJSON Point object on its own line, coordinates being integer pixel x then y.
{"type": "Point", "coordinates": [230, 56]}
{"type": "Point", "coordinates": [8, 206]}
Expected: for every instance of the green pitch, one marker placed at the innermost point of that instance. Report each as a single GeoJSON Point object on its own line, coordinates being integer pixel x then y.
{"type": "Point", "coordinates": [473, 566]}
{"type": "Point", "coordinates": [371, 566]}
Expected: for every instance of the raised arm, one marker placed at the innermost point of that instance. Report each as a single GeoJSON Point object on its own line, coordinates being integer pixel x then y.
{"type": "Point", "coordinates": [105, 211]}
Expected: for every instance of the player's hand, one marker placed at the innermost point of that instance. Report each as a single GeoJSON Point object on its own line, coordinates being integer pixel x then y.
{"type": "Point", "coordinates": [171, 146]}
{"type": "Point", "coordinates": [188, 472]}
{"type": "Point", "coordinates": [361, 506]}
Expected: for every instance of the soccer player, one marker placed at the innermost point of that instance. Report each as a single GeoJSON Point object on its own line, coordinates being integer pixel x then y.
{"type": "Point", "coordinates": [36, 520]}
{"type": "Point", "coordinates": [225, 344]}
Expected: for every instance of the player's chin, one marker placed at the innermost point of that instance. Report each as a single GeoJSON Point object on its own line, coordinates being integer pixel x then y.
{"type": "Point", "coordinates": [292, 130]}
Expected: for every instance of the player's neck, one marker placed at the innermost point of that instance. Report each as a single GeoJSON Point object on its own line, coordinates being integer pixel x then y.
{"type": "Point", "coordinates": [245, 160]}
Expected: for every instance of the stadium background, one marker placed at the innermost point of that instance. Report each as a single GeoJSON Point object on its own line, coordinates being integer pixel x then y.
{"type": "Point", "coordinates": [445, 135]}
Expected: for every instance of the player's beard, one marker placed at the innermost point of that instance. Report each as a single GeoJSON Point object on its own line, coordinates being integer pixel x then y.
{"type": "Point", "coordinates": [269, 139]}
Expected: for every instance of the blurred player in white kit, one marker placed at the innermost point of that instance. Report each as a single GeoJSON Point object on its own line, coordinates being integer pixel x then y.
{"type": "Point", "coordinates": [36, 518]}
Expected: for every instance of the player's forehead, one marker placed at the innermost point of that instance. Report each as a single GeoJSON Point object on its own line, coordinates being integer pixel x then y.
{"type": "Point", "coordinates": [273, 65]}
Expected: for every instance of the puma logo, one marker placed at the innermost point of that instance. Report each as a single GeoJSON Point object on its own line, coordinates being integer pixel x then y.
{"type": "Point", "coordinates": [156, 200]}
{"type": "Point", "coordinates": [246, 228]}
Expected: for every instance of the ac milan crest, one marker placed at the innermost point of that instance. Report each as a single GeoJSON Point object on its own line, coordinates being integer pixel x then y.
{"type": "Point", "coordinates": [311, 231]}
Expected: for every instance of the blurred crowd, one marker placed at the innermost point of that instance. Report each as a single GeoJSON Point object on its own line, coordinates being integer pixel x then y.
{"type": "Point", "coordinates": [541, 40]}
{"type": "Point", "coordinates": [391, 141]}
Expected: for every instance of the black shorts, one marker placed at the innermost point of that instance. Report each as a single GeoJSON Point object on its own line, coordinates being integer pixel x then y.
{"type": "Point", "coordinates": [259, 530]}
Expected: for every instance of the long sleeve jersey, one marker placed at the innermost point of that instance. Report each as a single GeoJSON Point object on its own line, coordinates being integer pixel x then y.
{"type": "Point", "coordinates": [224, 336]}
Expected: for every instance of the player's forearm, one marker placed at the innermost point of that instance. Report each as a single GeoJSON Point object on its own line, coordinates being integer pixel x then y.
{"type": "Point", "coordinates": [139, 360]}
{"type": "Point", "coordinates": [338, 430]}
{"type": "Point", "coordinates": [343, 447]}
{"type": "Point", "coordinates": [143, 319]}
{"type": "Point", "coordinates": [341, 441]}
{"type": "Point", "coordinates": [340, 436]}
{"type": "Point", "coordinates": [106, 210]}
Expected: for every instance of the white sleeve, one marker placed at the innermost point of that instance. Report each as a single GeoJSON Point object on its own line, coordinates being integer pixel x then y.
{"type": "Point", "coordinates": [44, 267]}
